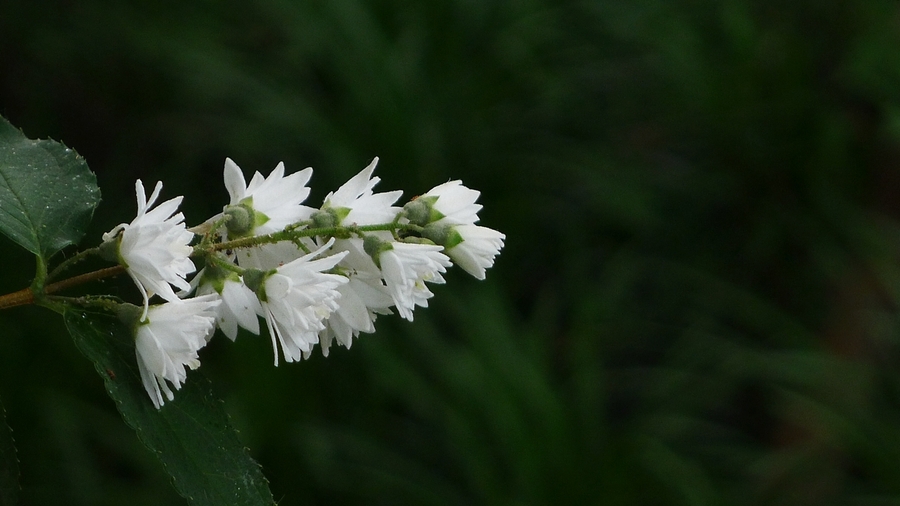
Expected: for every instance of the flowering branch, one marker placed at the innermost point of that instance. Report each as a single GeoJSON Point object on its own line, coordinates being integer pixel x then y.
{"type": "Point", "coordinates": [315, 276]}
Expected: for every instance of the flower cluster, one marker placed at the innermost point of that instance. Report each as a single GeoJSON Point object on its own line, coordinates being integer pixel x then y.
{"type": "Point", "coordinates": [314, 276]}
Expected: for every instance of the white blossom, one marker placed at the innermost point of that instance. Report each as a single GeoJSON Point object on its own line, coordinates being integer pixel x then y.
{"type": "Point", "coordinates": [239, 305]}
{"type": "Point", "coordinates": [296, 299]}
{"type": "Point", "coordinates": [168, 339]}
{"type": "Point", "coordinates": [358, 204]}
{"type": "Point", "coordinates": [455, 203]}
{"type": "Point", "coordinates": [406, 267]}
{"type": "Point", "coordinates": [154, 247]}
{"type": "Point", "coordinates": [276, 200]}
{"type": "Point", "coordinates": [476, 248]}
{"type": "Point", "coordinates": [362, 298]}
{"type": "Point", "coordinates": [271, 256]}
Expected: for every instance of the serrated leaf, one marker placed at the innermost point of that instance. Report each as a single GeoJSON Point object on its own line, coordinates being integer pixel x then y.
{"type": "Point", "coordinates": [47, 192]}
{"type": "Point", "coordinates": [9, 464]}
{"type": "Point", "coordinates": [191, 435]}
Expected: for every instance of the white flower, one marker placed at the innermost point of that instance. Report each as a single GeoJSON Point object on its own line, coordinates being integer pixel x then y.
{"type": "Point", "coordinates": [154, 247]}
{"type": "Point", "coordinates": [476, 248]}
{"type": "Point", "coordinates": [455, 203]}
{"type": "Point", "coordinates": [296, 299]}
{"type": "Point", "coordinates": [270, 256]}
{"type": "Point", "coordinates": [406, 267]}
{"type": "Point", "coordinates": [168, 340]}
{"type": "Point", "coordinates": [275, 200]}
{"type": "Point", "coordinates": [362, 298]}
{"type": "Point", "coordinates": [239, 305]}
{"type": "Point", "coordinates": [358, 204]}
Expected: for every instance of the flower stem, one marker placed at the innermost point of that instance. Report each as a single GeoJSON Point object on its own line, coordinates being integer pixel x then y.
{"type": "Point", "coordinates": [38, 290]}
{"type": "Point", "coordinates": [290, 234]}
{"type": "Point", "coordinates": [81, 255]}
{"type": "Point", "coordinates": [27, 295]}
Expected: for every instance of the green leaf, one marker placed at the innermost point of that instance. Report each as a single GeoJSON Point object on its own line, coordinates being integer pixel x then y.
{"type": "Point", "coordinates": [47, 192]}
{"type": "Point", "coordinates": [191, 435]}
{"type": "Point", "coordinates": [9, 464]}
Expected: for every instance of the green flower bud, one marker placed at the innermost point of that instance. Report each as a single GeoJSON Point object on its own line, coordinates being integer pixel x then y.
{"type": "Point", "coordinates": [323, 219]}
{"type": "Point", "coordinates": [109, 251]}
{"type": "Point", "coordinates": [445, 235]}
{"type": "Point", "coordinates": [255, 280]}
{"type": "Point", "coordinates": [421, 211]}
{"type": "Point", "coordinates": [241, 219]}
{"type": "Point", "coordinates": [130, 315]}
{"type": "Point", "coordinates": [418, 240]}
{"type": "Point", "coordinates": [215, 275]}
{"type": "Point", "coordinates": [374, 247]}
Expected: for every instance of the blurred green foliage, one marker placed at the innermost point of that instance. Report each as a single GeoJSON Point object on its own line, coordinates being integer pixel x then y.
{"type": "Point", "coordinates": [697, 303]}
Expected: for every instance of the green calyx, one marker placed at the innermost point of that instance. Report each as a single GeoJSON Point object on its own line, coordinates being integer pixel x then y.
{"type": "Point", "coordinates": [418, 240]}
{"type": "Point", "coordinates": [329, 217]}
{"type": "Point", "coordinates": [374, 247]}
{"type": "Point", "coordinates": [421, 211]}
{"type": "Point", "coordinates": [240, 220]}
{"type": "Point", "coordinates": [109, 251]}
{"type": "Point", "coordinates": [243, 219]}
{"type": "Point", "coordinates": [445, 235]}
{"type": "Point", "coordinates": [130, 315]}
{"type": "Point", "coordinates": [255, 280]}
{"type": "Point", "coordinates": [215, 276]}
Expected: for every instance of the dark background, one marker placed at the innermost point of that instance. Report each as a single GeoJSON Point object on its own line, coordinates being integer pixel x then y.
{"type": "Point", "coordinates": [697, 302]}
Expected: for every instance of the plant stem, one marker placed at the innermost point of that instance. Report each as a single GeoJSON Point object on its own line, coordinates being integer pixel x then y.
{"type": "Point", "coordinates": [38, 290]}
{"type": "Point", "coordinates": [81, 255]}
{"type": "Point", "coordinates": [27, 296]}
{"type": "Point", "coordinates": [291, 234]}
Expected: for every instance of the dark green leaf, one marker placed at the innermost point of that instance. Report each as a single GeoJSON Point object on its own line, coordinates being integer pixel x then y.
{"type": "Point", "coordinates": [47, 192]}
{"type": "Point", "coordinates": [9, 464]}
{"type": "Point", "coordinates": [190, 435]}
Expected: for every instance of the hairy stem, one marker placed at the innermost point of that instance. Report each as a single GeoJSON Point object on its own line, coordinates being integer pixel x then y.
{"type": "Point", "coordinates": [290, 234]}
{"type": "Point", "coordinates": [38, 289]}
{"type": "Point", "coordinates": [81, 255]}
{"type": "Point", "coordinates": [27, 295]}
